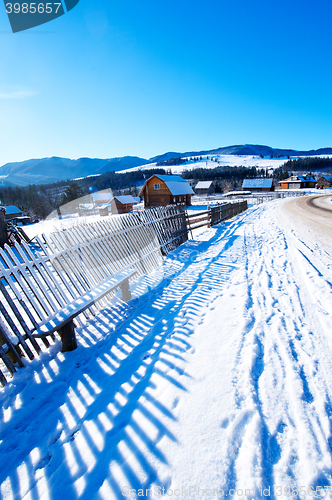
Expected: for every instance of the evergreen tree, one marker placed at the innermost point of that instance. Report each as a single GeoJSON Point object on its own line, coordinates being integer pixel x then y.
{"type": "Point", "coordinates": [72, 193]}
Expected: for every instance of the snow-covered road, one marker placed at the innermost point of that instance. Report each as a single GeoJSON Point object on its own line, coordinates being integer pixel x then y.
{"type": "Point", "coordinates": [216, 380]}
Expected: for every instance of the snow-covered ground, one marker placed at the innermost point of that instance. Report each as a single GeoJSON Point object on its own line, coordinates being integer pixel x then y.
{"type": "Point", "coordinates": [216, 379]}
{"type": "Point", "coordinates": [213, 161]}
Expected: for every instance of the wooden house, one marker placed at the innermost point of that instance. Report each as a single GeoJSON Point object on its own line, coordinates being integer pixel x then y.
{"type": "Point", "coordinates": [205, 188]}
{"type": "Point", "coordinates": [258, 185]}
{"type": "Point", "coordinates": [298, 182]}
{"type": "Point", "coordinates": [162, 190]}
{"type": "Point", "coordinates": [11, 212]}
{"type": "Point", "coordinates": [122, 204]}
{"type": "Point", "coordinates": [324, 182]}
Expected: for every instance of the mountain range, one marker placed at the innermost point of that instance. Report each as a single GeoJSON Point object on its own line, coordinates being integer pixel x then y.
{"type": "Point", "coordinates": [48, 170]}
{"type": "Point", "coordinates": [54, 169]}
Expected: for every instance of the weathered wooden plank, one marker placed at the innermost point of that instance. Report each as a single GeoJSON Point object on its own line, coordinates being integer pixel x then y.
{"type": "Point", "coordinates": [3, 380]}
{"type": "Point", "coordinates": [6, 339]}
{"type": "Point", "coordinates": [16, 331]}
{"type": "Point", "coordinates": [41, 280]}
{"type": "Point", "coordinates": [18, 315]}
{"type": "Point", "coordinates": [7, 361]}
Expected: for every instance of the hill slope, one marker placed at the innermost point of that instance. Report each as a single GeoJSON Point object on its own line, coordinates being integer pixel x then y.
{"type": "Point", "coordinates": [245, 150]}
{"type": "Point", "coordinates": [48, 170]}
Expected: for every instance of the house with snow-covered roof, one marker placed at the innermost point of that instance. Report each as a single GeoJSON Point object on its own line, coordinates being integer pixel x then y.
{"type": "Point", "coordinates": [257, 185]}
{"type": "Point", "coordinates": [298, 182]}
{"type": "Point", "coordinates": [162, 190]}
{"type": "Point", "coordinates": [11, 212]}
{"type": "Point", "coordinates": [122, 204]}
{"type": "Point", "coordinates": [324, 182]}
{"type": "Point", "coordinates": [205, 187]}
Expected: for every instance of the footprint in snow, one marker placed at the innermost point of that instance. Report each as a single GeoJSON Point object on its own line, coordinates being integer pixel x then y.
{"type": "Point", "coordinates": [225, 423]}
{"type": "Point", "coordinates": [175, 403]}
{"type": "Point", "coordinates": [281, 427]}
{"type": "Point", "coordinates": [45, 460]}
{"type": "Point", "coordinates": [54, 437]}
{"type": "Point", "coordinates": [73, 433]}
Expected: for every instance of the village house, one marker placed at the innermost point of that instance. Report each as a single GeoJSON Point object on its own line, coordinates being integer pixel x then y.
{"type": "Point", "coordinates": [298, 182]}
{"type": "Point", "coordinates": [205, 188]}
{"type": "Point", "coordinates": [162, 190]}
{"type": "Point", "coordinates": [258, 185]}
{"type": "Point", "coordinates": [324, 182]}
{"type": "Point", "coordinates": [122, 204]}
{"type": "Point", "coordinates": [11, 212]}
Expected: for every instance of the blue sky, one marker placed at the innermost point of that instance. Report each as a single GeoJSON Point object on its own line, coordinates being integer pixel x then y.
{"type": "Point", "coordinates": [115, 78]}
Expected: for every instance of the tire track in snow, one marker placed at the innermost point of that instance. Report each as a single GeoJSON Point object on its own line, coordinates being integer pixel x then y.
{"type": "Point", "coordinates": [275, 385]}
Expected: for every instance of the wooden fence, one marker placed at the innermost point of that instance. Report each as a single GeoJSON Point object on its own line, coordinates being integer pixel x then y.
{"type": "Point", "coordinates": [169, 223]}
{"type": "Point", "coordinates": [215, 215]}
{"type": "Point", "coordinates": [227, 210]}
{"type": "Point", "coordinates": [117, 242]}
{"type": "Point", "coordinates": [38, 280]}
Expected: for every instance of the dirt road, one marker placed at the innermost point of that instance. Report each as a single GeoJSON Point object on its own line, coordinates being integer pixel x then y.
{"type": "Point", "coordinates": [314, 214]}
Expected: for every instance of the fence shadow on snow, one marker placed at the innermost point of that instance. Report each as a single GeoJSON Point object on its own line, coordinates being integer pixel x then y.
{"type": "Point", "coordinates": [90, 422]}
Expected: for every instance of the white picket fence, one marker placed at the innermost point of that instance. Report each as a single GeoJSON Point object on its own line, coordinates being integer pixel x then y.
{"type": "Point", "coordinates": [60, 270]}
{"type": "Point", "coordinates": [37, 282]}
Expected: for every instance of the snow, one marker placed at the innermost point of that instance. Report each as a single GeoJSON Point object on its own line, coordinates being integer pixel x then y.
{"type": "Point", "coordinates": [216, 377]}
{"type": "Point", "coordinates": [53, 224]}
{"type": "Point", "coordinates": [213, 161]}
{"type": "Point", "coordinates": [179, 188]}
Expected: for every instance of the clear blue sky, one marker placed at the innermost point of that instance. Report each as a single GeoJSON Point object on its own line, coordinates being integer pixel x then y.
{"type": "Point", "coordinates": [128, 77]}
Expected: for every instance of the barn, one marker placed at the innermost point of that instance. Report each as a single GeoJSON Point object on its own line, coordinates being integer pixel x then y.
{"type": "Point", "coordinates": [122, 204]}
{"type": "Point", "coordinates": [258, 185]}
{"type": "Point", "coordinates": [298, 182]}
{"type": "Point", "coordinates": [162, 190]}
{"type": "Point", "coordinates": [205, 187]}
{"type": "Point", "coordinates": [324, 182]}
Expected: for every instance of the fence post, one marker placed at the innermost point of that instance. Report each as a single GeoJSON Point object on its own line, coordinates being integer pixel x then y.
{"type": "Point", "coordinates": [3, 228]}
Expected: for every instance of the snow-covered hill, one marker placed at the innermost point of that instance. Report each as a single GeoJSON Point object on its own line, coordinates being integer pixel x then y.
{"type": "Point", "coordinates": [213, 161]}
{"type": "Point", "coordinates": [54, 169]}
{"type": "Point", "coordinates": [217, 377]}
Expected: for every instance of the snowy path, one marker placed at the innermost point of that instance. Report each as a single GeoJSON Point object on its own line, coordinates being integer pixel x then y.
{"type": "Point", "coordinates": [218, 380]}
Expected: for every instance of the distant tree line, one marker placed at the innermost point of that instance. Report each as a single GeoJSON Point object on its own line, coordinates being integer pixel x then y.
{"type": "Point", "coordinates": [224, 173]}
{"type": "Point", "coordinates": [117, 182]}
{"type": "Point", "coordinates": [279, 174]}
{"type": "Point", "coordinates": [38, 201]}
{"type": "Point", "coordinates": [171, 161]}
{"type": "Point", "coordinates": [308, 164]}
{"type": "Point", "coordinates": [32, 200]}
